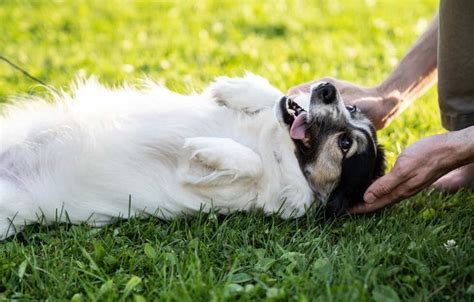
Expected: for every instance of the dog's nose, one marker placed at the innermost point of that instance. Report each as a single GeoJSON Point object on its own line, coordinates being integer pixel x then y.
{"type": "Point", "coordinates": [325, 92]}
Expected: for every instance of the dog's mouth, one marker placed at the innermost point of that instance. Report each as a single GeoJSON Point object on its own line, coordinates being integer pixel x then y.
{"type": "Point", "coordinates": [295, 117]}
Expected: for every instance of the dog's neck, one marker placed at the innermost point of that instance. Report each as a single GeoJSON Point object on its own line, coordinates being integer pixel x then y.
{"type": "Point", "coordinates": [277, 151]}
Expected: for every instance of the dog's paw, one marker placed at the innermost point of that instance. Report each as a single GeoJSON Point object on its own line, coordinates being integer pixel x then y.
{"type": "Point", "coordinates": [221, 160]}
{"type": "Point", "coordinates": [203, 153]}
{"type": "Point", "coordinates": [249, 94]}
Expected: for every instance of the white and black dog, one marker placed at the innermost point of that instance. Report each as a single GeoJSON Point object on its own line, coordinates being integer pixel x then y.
{"type": "Point", "coordinates": [239, 145]}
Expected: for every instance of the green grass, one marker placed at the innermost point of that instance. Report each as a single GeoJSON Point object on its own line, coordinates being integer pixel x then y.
{"type": "Point", "coordinates": [397, 254]}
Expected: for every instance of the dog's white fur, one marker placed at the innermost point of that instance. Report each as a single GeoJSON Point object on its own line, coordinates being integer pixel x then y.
{"type": "Point", "coordinates": [79, 158]}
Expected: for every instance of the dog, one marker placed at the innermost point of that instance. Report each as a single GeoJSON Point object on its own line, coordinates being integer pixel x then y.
{"type": "Point", "coordinates": [100, 154]}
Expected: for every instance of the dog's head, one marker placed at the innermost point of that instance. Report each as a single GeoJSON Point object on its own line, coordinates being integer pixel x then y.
{"type": "Point", "coordinates": [336, 146]}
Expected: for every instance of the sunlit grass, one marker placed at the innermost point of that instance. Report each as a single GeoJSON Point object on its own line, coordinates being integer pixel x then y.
{"type": "Point", "coordinates": [398, 254]}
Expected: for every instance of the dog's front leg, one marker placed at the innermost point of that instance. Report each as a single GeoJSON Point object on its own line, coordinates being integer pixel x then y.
{"type": "Point", "coordinates": [218, 161]}
{"type": "Point", "coordinates": [248, 94]}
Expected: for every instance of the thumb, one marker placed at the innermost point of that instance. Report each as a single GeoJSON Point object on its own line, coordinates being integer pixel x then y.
{"type": "Point", "coordinates": [381, 187]}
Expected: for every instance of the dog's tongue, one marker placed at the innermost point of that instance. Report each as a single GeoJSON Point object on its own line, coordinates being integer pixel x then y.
{"type": "Point", "coordinates": [299, 127]}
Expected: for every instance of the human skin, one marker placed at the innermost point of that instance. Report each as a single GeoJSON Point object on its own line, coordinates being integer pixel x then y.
{"type": "Point", "coordinates": [415, 74]}
{"type": "Point", "coordinates": [428, 159]}
{"type": "Point", "coordinates": [419, 166]}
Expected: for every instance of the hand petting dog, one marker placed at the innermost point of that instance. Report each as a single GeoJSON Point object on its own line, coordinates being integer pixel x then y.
{"type": "Point", "coordinates": [442, 161]}
{"type": "Point", "coordinates": [419, 166]}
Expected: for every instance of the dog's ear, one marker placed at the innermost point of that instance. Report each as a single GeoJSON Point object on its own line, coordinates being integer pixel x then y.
{"type": "Point", "coordinates": [358, 172]}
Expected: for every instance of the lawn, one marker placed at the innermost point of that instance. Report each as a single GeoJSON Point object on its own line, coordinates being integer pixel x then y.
{"type": "Point", "coordinates": [419, 250]}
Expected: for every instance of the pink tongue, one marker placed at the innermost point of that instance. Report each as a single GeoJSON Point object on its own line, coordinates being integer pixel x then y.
{"type": "Point", "coordinates": [299, 127]}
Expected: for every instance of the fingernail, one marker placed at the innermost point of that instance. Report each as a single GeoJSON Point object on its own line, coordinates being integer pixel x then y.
{"type": "Point", "coordinates": [369, 198]}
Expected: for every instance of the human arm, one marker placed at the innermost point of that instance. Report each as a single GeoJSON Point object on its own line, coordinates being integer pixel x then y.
{"type": "Point", "coordinates": [415, 74]}
{"type": "Point", "coordinates": [419, 166]}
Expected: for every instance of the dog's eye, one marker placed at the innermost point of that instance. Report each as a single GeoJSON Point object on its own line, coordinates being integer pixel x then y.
{"type": "Point", "coordinates": [345, 142]}
{"type": "Point", "coordinates": [351, 108]}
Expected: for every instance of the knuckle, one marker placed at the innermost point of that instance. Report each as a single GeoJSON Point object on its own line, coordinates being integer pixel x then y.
{"type": "Point", "coordinates": [399, 169]}
{"type": "Point", "coordinates": [383, 188]}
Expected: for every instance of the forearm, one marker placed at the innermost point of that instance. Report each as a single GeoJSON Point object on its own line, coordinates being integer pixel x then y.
{"type": "Point", "coordinates": [416, 72]}
{"type": "Point", "coordinates": [463, 142]}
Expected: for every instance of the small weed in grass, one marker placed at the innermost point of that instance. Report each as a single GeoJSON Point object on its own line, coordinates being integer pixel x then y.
{"type": "Point", "coordinates": [421, 249]}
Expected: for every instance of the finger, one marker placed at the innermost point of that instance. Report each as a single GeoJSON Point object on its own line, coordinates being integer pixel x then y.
{"type": "Point", "coordinates": [452, 181]}
{"type": "Point", "coordinates": [297, 90]}
{"type": "Point", "coordinates": [303, 88]}
{"type": "Point", "coordinates": [383, 186]}
{"type": "Point", "coordinates": [405, 190]}
{"type": "Point", "coordinates": [364, 208]}
{"type": "Point", "coordinates": [385, 201]}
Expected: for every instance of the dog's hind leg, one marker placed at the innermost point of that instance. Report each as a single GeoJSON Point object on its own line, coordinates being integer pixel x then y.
{"type": "Point", "coordinates": [249, 94]}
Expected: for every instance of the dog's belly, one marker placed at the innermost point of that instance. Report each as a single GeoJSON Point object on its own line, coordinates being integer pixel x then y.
{"type": "Point", "coordinates": [117, 168]}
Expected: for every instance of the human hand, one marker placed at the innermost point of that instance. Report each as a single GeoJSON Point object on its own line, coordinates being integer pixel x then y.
{"type": "Point", "coordinates": [380, 107]}
{"type": "Point", "coordinates": [417, 167]}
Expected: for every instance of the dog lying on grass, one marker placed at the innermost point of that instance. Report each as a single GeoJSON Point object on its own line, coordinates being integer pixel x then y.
{"type": "Point", "coordinates": [239, 145]}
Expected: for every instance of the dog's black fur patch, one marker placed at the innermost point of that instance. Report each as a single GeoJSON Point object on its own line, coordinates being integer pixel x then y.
{"type": "Point", "coordinates": [358, 173]}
